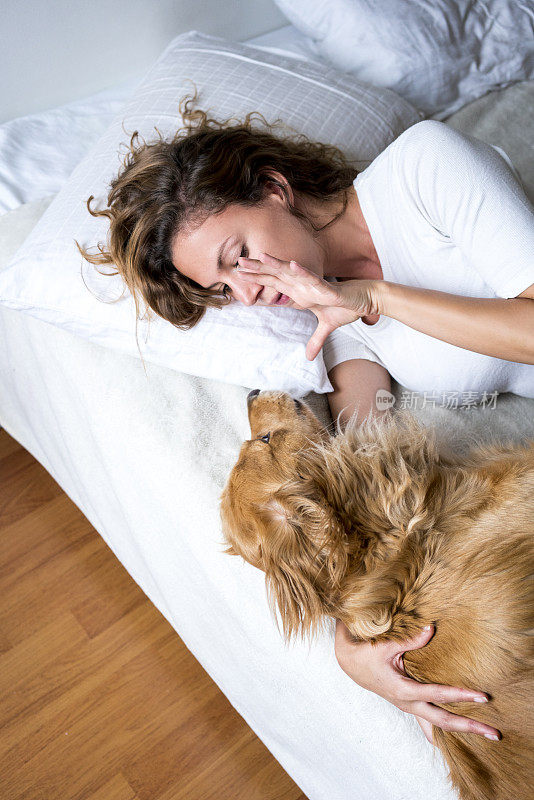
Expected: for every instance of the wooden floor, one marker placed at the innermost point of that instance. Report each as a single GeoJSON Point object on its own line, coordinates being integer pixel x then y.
{"type": "Point", "coordinates": [100, 699]}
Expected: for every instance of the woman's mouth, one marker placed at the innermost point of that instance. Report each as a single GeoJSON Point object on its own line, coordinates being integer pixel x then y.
{"type": "Point", "coordinates": [281, 300]}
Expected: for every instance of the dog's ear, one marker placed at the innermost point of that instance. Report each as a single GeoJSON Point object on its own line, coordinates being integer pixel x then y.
{"type": "Point", "coordinates": [240, 528]}
{"type": "Point", "coordinates": [368, 606]}
{"type": "Point", "coordinates": [305, 557]}
{"type": "Point", "coordinates": [370, 616]}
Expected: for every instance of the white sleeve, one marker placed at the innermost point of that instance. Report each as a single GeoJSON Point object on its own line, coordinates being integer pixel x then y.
{"type": "Point", "coordinates": [470, 194]}
{"type": "Point", "coordinates": [339, 346]}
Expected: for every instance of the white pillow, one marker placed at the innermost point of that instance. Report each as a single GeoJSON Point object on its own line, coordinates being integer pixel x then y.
{"type": "Point", "coordinates": [438, 55]}
{"type": "Point", "coordinates": [259, 347]}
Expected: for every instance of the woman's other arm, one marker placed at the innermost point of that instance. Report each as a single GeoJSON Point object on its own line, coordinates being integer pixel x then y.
{"type": "Point", "coordinates": [379, 668]}
{"type": "Point", "coordinates": [356, 383]}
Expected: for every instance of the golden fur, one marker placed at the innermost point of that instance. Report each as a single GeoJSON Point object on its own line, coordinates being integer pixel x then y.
{"type": "Point", "coordinates": [376, 527]}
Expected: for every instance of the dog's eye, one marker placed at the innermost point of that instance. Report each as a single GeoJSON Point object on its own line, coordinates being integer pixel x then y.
{"type": "Point", "coordinates": [265, 438]}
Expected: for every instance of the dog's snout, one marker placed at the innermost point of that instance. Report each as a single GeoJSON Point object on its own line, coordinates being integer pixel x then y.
{"type": "Point", "coordinates": [251, 395]}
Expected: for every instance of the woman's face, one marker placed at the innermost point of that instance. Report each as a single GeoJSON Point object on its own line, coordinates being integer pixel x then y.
{"type": "Point", "coordinates": [238, 231]}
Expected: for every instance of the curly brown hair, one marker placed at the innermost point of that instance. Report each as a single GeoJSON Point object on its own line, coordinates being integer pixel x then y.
{"type": "Point", "coordinates": [167, 187]}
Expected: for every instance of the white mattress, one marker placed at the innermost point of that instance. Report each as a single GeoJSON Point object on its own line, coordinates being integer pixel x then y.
{"type": "Point", "coordinates": [145, 458]}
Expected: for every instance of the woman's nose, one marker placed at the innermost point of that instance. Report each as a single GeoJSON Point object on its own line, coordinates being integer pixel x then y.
{"type": "Point", "coordinates": [247, 294]}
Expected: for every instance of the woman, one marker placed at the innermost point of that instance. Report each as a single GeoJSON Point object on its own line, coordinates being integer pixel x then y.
{"type": "Point", "coordinates": [185, 214]}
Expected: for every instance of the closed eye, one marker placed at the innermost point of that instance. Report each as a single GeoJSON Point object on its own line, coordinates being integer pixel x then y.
{"type": "Point", "coordinates": [244, 252]}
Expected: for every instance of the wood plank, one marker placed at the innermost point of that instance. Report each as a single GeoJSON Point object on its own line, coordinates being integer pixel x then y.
{"type": "Point", "coordinates": [99, 697]}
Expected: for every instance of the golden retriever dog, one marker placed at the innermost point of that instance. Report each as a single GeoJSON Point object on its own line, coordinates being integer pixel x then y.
{"type": "Point", "coordinates": [379, 528]}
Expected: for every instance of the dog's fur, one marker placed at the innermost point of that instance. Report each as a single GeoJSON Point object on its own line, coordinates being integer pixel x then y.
{"type": "Point", "coordinates": [376, 527]}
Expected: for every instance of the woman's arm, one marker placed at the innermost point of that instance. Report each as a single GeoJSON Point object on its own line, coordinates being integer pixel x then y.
{"type": "Point", "coordinates": [467, 192]}
{"type": "Point", "coordinates": [498, 327]}
{"type": "Point", "coordinates": [356, 383]}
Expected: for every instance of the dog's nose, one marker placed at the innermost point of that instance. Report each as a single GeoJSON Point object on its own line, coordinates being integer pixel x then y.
{"type": "Point", "coordinates": [251, 395]}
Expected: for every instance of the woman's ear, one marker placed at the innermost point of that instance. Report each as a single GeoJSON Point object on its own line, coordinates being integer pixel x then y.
{"type": "Point", "coordinates": [304, 556]}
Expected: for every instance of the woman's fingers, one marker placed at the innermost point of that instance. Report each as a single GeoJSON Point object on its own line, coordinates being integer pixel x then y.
{"type": "Point", "coordinates": [275, 266]}
{"type": "Point", "coordinates": [439, 693]}
{"type": "Point", "coordinates": [448, 721]}
{"type": "Point", "coordinates": [423, 699]}
{"type": "Point", "coordinates": [289, 277]}
{"type": "Point", "coordinates": [420, 639]}
{"type": "Point", "coordinates": [426, 696]}
{"type": "Point", "coordinates": [257, 272]}
{"type": "Point", "coordinates": [431, 692]}
{"type": "Point", "coordinates": [277, 263]}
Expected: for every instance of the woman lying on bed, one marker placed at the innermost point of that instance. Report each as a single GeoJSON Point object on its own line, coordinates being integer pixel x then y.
{"type": "Point", "coordinates": [433, 252]}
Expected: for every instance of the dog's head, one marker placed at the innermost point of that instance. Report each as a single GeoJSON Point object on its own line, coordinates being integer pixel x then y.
{"type": "Point", "coordinates": [273, 513]}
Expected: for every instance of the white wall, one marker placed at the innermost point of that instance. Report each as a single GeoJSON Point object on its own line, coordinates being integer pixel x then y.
{"type": "Point", "coordinates": [54, 51]}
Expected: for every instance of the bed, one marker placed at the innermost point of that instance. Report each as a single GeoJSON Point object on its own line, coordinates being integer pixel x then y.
{"type": "Point", "coordinates": [140, 455]}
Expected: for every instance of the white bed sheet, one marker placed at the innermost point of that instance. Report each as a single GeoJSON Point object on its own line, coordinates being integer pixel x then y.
{"type": "Point", "coordinates": [145, 458]}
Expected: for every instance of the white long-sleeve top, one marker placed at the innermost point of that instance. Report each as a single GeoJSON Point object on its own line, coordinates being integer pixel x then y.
{"type": "Point", "coordinates": [445, 211]}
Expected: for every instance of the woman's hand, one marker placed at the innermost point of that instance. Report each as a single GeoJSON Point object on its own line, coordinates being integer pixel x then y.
{"type": "Point", "coordinates": [380, 669]}
{"type": "Point", "coordinates": [328, 301]}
